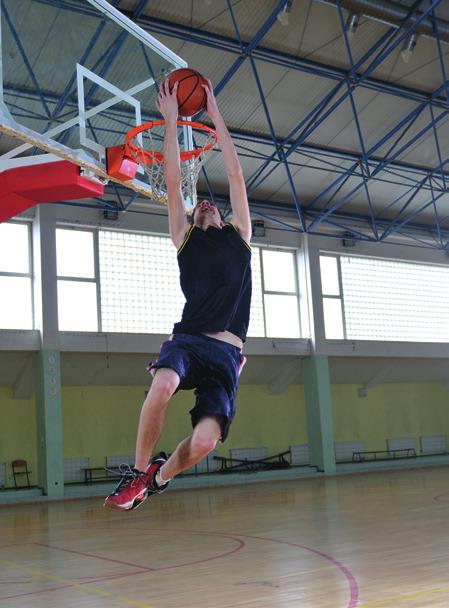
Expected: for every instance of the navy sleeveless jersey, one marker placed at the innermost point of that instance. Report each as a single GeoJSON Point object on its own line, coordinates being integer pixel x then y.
{"type": "Point", "coordinates": [215, 274]}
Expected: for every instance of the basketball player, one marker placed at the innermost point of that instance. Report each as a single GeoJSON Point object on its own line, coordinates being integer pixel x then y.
{"type": "Point", "coordinates": [205, 350]}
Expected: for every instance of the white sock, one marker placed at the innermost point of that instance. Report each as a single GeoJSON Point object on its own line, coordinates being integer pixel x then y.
{"type": "Point", "coordinates": [160, 481]}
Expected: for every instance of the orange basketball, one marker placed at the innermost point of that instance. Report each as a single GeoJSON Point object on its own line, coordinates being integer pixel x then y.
{"type": "Point", "coordinates": [191, 96]}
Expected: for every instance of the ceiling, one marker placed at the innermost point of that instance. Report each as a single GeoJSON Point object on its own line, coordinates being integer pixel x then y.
{"type": "Point", "coordinates": [335, 130]}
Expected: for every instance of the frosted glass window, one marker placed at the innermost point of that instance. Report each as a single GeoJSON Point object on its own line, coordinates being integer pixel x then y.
{"type": "Point", "coordinates": [282, 317]}
{"type": "Point", "coordinates": [75, 253]}
{"type": "Point", "coordinates": [14, 248]}
{"type": "Point", "coordinates": [279, 271]}
{"type": "Point", "coordinates": [333, 318]}
{"type": "Point", "coordinates": [139, 279]}
{"type": "Point", "coordinates": [256, 327]}
{"type": "Point", "coordinates": [330, 285]}
{"type": "Point", "coordinates": [15, 303]}
{"type": "Point", "coordinates": [77, 306]}
{"type": "Point", "coordinates": [395, 301]}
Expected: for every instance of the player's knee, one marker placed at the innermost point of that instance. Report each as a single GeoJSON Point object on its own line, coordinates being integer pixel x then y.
{"type": "Point", "coordinates": [203, 444]}
{"type": "Point", "coordinates": [164, 385]}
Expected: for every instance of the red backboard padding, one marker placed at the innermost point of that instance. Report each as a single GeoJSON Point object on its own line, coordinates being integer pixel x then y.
{"type": "Point", "coordinates": [12, 204]}
{"type": "Point", "coordinates": [24, 187]}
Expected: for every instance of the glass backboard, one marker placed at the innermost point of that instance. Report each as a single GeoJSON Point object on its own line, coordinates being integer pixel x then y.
{"type": "Point", "coordinates": [76, 75]}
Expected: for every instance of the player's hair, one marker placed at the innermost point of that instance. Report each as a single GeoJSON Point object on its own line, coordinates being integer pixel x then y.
{"type": "Point", "coordinates": [192, 218]}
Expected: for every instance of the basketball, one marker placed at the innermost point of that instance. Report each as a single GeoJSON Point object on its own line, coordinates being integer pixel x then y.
{"type": "Point", "coordinates": [192, 97]}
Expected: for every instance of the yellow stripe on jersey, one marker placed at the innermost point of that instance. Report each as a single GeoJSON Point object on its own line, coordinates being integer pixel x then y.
{"type": "Point", "coordinates": [186, 238]}
{"type": "Point", "coordinates": [247, 244]}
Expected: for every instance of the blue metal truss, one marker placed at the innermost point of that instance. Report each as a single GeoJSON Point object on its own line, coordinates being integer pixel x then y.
{"type": "Point", "coordinates": [358, 74]}
{"type": "Point", "coordinates": [324, 214]}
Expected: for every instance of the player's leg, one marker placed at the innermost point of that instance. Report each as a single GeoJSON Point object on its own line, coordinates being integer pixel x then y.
{"type": "Point", "coordinates": [214, 407]}
{"type": "Point", "coordinates": [153, 414]}
{"type": "Point", "coordinates": [194, 448]}
{"type": "Point", "coordinates": [133, 487]}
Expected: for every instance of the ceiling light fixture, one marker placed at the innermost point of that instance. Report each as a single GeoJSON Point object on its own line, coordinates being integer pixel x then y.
{"type": "Point", "coordinates": [284, 16]}
{"type": "Point", "coordinates": [409, 47]}
{"type": "Point", "coordinates": [352, 23]}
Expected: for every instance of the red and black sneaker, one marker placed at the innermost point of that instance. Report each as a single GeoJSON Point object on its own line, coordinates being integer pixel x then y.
{"type": "Point", "coordinates": [135, 486]}
{"type": "Point", "coordinates": [152, 469]}
{"type": "Point", "coordinates": [131, 490]}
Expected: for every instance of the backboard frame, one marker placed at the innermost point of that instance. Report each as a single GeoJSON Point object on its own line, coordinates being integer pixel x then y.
{"type": "Point", "coordinates": [91, 166]}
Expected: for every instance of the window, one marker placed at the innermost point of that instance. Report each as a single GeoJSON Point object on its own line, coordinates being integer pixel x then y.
{"type": "Point", "coordinates": [332, 300]}
{"type": "Point", "coordinates": [280, 287]}
{"type": "Point", "coordinates": [140, 291]}
{"type": "Point", "coordinates": [139, 280]}
{"type": "Point", "coordinates": [256, 327]}
{"type": "Point", "coordinates": [77, 281]}
{"type": "Point", "coordinates": [385, 299]}
{"type": "Point", "coordinates": [16, 303]}
{"type": "Point", "coordinates": [134, 285]}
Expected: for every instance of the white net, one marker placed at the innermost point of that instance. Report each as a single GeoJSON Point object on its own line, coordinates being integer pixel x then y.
{"type": "Point", "coordinates": [149, 155]}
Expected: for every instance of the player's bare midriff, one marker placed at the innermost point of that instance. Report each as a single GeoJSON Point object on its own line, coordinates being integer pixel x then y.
{"type": "Point", "coordinates": [226, 336]}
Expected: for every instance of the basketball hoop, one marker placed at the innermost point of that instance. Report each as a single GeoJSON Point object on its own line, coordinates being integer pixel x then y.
{"type": "Point", "coordinates": [152, 160]}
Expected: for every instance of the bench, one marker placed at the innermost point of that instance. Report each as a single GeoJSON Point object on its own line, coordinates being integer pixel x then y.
{"type": "Point", "coordinates": [383, 455]}
{"type": "Point", "coordinates": [110, 472]}
{"type": "Point", "coordinates": [277, 461]}
{"type": "Point", "coordinates": [92, 474]}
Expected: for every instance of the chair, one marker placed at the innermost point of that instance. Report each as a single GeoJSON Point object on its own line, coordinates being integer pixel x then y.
{"type": "Point", "coordinates": [20, 467]}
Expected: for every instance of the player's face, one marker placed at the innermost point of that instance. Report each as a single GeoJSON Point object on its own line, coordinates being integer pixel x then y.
{"type": "Point", "coordinates": [207, 213]}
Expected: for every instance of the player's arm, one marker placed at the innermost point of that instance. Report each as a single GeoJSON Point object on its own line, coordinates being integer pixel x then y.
{"type": "Point", "coordinates": [237, 187]}
{"type": "Point", "coordinates": [167, 104]}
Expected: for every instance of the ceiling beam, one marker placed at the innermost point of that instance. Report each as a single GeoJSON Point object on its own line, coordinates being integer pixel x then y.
{"type": "Point", "coordinates": [390, 13]}
{"type": "Point", "coordinates": [122, 112]}
{"type": "Point", "coordinates": [287, 60]}
{"type": "Point", "coordinates": [227, 44]}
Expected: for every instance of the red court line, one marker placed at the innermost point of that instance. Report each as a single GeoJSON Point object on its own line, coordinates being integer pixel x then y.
{"type": "Point", "coordinates": [353, 586]}
{"type": "Point", "coordinates": [109, 577]}
{"type": "Point", "coordinates": [143, 569]}
{"type": "Point", "coordinates": [240, 545]}
{"type": "Point", "coordinates": [10, 597]}
{"type": "Point", "coordinates": [105, 559]}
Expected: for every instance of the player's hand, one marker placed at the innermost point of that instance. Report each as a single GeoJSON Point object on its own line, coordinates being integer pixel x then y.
{"type": "Point", "coordinates": [212, 107]}
{"type": "Point", "coordinates": [166, 102]}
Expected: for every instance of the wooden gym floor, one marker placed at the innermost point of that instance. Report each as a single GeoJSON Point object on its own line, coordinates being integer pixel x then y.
{"type": "Point", "coordinates": [366, 541]}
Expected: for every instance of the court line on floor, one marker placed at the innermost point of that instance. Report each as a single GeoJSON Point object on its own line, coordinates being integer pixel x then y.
{"type": "Point", "coordinates": [11, 597]}
{"type": "Point", "coordinates": [403, 598]}
{"type": "Point", "coordinates": [144, 569]}
{"type": "Point", "coordinates": [105, 559]}
{"type": "Point", "coordinates": [76, 585]}
{"type": "Point", "coordinates": [353, 586]}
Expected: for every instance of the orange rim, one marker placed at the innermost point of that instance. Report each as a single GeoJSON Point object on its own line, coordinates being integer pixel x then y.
{"type": "Point", "coordinates": [150, 157]}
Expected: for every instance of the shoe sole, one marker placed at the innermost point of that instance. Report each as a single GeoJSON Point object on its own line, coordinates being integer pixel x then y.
{"type": "Point", "coordinates": [133, 505]}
